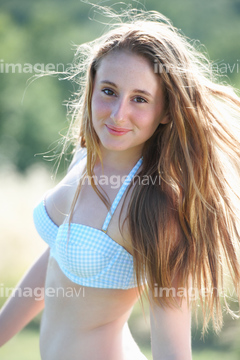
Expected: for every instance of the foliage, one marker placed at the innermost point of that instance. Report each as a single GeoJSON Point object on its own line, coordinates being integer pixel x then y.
{"type": "Point", "coordinates": [32, 117]}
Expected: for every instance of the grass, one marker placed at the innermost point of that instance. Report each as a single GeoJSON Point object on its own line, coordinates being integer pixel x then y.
{"type": "Point", "coordinates": [24, 346]}
{"type": "Point", "coordinates": [214, 355]}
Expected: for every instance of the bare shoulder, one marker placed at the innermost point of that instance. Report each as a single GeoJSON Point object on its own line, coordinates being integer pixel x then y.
{"type": "Point", "coordinates": [79, 154]}
{"type": "Point", "coordinates": [59, 199]}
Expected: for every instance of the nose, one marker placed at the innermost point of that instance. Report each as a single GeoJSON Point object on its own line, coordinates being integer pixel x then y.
{"type": "Point", "coordinates": [119, 111]}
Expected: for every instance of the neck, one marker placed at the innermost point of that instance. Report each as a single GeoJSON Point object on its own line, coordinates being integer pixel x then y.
{"type": "Point", "coordinates": [122, 161]}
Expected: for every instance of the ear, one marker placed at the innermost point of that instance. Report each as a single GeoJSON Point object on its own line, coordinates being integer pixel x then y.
{"type": "Point", "coordinates": [164, 119]}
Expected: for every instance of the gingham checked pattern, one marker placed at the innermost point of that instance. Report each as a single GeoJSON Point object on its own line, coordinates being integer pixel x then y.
{"type": "Point", "coordinates": [88, 256]}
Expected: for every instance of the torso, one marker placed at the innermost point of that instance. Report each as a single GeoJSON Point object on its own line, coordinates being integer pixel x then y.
{"type": "Point", "coordinates": [80, 322]}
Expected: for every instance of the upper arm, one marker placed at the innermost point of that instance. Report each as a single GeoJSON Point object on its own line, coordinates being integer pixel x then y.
{"type": "Point", "coordinates": [170, 330]}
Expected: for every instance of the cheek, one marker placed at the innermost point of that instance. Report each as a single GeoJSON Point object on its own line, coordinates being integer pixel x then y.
{"type": "Point", "coordinates": [147, 121]}
{"type": "Point", "coordinates": [99, 108]}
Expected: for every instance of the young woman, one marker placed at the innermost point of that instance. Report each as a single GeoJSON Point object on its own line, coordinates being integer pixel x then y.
{"type": "Point", "coordinates": [148, 113]}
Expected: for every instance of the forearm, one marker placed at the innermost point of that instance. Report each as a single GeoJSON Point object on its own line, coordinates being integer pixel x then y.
{"type": "Point", "coordinates": [171, 333]}
{"type": "Point", "coordinates": [171, 338]}
{"type": "Point", "coordinates": [24, 303]}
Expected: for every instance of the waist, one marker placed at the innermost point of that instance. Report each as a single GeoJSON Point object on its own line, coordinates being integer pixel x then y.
{"type": "Point", "coordinates": [76, 324]}
{"type": "Point", "coordinates": [63, 340]}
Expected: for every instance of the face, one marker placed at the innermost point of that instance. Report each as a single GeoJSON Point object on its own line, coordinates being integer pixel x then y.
{"type": "Point", "coordinates": [127, 102]}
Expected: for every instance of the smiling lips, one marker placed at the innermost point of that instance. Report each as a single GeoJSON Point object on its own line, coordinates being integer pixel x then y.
{"type": "Point", "coordinates": [116, 131]}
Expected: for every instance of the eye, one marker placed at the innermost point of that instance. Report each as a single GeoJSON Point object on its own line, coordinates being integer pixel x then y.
{"type": "Point", "coordinates": [108, 91]}
{"type": "Point", "coordinates": [140, 99]}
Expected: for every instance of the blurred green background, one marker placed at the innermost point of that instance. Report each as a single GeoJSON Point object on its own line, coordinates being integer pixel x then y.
{"type": "Point", "coordinates": [33, 121]}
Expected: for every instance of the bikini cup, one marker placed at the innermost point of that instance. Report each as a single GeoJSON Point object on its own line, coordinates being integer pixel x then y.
{"type": "Point", "coordinates": [88, 256]}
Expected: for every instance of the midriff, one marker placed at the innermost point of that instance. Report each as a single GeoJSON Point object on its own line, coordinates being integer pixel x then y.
{"type": "Point", "coordinates": [85, 323]}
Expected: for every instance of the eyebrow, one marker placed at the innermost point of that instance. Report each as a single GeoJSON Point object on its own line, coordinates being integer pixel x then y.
{"type": "Point", "coordinates": [144, 92]}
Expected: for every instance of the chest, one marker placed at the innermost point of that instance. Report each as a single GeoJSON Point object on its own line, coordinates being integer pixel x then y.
{"type": "Point", "coordinates": [92, 212]}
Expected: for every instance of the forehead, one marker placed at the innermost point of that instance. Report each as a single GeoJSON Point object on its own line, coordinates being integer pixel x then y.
{"type": "Point", "coordinates": [126, 69]}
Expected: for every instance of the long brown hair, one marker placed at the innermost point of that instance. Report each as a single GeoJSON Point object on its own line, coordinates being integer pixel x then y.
{"type": "Point", "coordinates": [188, 225]}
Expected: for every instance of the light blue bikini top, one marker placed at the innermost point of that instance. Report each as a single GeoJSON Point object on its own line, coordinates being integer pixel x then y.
{"type": "Point", "coordinates": [89, 257]}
